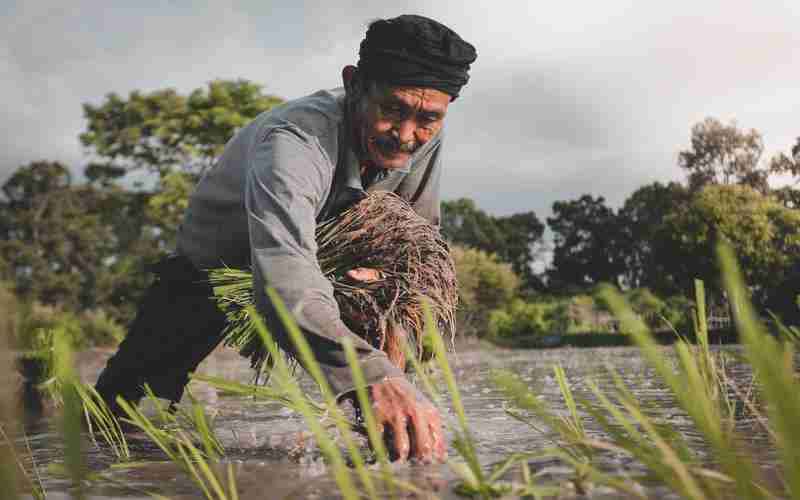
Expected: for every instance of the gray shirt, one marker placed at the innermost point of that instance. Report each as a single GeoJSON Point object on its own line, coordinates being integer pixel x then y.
{"type": "Point", "coordinates": [289, 169]}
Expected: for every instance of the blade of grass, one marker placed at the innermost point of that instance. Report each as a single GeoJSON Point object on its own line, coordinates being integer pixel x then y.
{"type": "Point", "coordinates": [307, 358]}
{"type": "Point", "coordinates": [284, 379]}
{"type": "Point", "coordinates": [71, 411]}
{"type": "Point", "coordinates": [778, 382]}
{"type": "Point", "coordinates": [692, 393]}
{"type": "Point", "coordinates": [376, 440]}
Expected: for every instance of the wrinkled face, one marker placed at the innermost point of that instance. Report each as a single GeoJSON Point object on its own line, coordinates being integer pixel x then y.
{"type": "Point", "coordinates": [393, 122]}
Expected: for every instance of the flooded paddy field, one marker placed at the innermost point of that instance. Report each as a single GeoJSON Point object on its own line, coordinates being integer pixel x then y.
{"type": "Point", "coordinates": [274, 457]}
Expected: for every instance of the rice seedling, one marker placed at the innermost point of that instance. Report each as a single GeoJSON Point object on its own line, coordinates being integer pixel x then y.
{"type": "Point", "coordinates": [15, 477]}
{"type": "Point", "coordinates": [176, 434]}
{"type": "Point", "coordinates": [474, 482]}
{"type": "Point", "coordinates": [289, 384]}
{"type": "Point", "coordinates": [71, 413]}
{"type": "Point", "coordinates": [696, 380]}
{"type": "Point", "coordinates": [381, 232]}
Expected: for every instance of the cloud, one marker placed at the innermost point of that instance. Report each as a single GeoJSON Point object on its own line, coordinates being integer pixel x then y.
{"type": "Point", "coordinates": [565, 98]}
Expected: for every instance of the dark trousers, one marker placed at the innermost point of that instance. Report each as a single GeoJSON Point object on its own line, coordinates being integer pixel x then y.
{"type": "Point", "coordinates": [176, 326]}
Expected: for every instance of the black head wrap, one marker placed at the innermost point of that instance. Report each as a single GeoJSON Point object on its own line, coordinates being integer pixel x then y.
{"type": "Point", "coordinates": [416, 51]}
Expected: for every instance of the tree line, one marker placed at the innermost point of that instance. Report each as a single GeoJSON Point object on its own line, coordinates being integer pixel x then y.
{"type": "Point", "coordinates": [85, 244]}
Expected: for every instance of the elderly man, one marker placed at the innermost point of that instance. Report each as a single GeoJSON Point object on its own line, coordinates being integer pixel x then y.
{"type": "Point", "coordinates": [289, 169]}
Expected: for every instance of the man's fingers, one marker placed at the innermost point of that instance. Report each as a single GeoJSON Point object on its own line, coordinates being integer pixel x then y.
{"type": "Point", "coordinates": [401, 444]}
{"type": "Point", "coordinates": [437, 436]}
{"type": "Point", "coordinates": [421, 439]}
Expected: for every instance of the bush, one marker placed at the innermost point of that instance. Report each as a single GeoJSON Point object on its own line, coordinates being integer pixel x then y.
{"type": "Point", "coordinates": [484, 284]}
{"type": "Point", "coordinates": [677, 312]}
{"type": "Point", "coordinates": [522, 318]}
{"type": "Point", "coordinates": [37, 323]}
{"type": "Point", "coordinates": [100, 329]}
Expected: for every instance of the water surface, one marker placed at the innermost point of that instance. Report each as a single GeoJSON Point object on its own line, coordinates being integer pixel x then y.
{"type": "Point", "coordinates": [274, 457]}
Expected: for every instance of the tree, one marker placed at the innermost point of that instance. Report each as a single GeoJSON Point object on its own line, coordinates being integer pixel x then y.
{"type": "Point", "coordinates": [484, 284]}
{"type": "Point", "coordinates": [650, 253]}
{"type": "Point", "coordinates": [588, 241]}
{"type": "Point", "coordinates": [75, 246]}
{"type": "Point", "coordinates": [784, 164]}
{"type": "Point", "coordinates": [513, 239]}
{"type": "Point", "coordinates": [723, 154]}
{"type": "Point", "coordinates": [463, 223]}
{"type": "Point", "coordinates": [763, 233]}
{"type": "Point", "coordinates": [166, 206]}
{"type": "Point", "coordinates": [163, 130]}
{"type": "Point", "coordinates": [53, 237]}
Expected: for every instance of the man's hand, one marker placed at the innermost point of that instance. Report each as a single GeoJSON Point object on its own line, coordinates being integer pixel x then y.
{"type": "Point", "coordinates": [410, 424]}
{"type": "Point", "coordinates": [364, 274]}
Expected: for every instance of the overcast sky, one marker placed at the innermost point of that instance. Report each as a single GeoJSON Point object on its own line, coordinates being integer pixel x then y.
{"type": "Point", "coordinates": [565, 98]}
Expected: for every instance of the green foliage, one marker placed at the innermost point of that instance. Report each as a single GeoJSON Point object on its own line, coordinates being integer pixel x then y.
{"type": "Point", "coordinates": [724, 466]}
{"type": "Point", "coordinates": [514, 239]}
{"type": "Point", "coordinates": [167, 205]}
{"type": "Point", "coordinates": [163, 130]}
{"type": "Point", "coordinates": [37, 325]}
{"type": "Point", "coordinates": [764, 235]}
{"type": "Point", "coordinates": [78, 247]}
{"type": "Point", "coordinates": [723, 154]}
{"type": "Point", "coordinates": [484, 284]}
{"type": "Point", "coordinates": [53, 237]}
{"type": "Point", "coordinates": [651, 254]}
{"type": "Point", "coordinates": [98, 328]}
{"type": "Point", "coordinates": [589, 243]}
{"type": "Point", "coordinates": [522, 318]}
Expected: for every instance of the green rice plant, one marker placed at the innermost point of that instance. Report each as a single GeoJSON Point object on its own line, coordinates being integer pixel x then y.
{"type": "Point", "coordinates": [100, 419]}
{"type": "Point", "coordinates": [773, 364]}
{"type": "Point", "coordinates": [71, 412]}
{"type": "Point", "coordinates": [306, 356]}
{"type": "Point", "coordinates": [176, 433]}
{"type": "Point", "coordinates": [381, 232]}
{"type": "Point", "coordinates": [261, 392]}
{"type": "Point", "coordinates": [474, 482]}
{"type": "Point", "coordinates": [696, 379]}
{"type": "Point", "coordinates": [696, 388]}
{"type": "Point", "coordinates": [575, 447]}
{"type": "Point", "coordinates": [14, 475]}
{"type": "Point", "coordinates": [375, 438]}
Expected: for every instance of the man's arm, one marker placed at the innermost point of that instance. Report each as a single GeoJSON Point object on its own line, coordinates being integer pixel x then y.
{"type": "Point", "coordinates": [285, 185]}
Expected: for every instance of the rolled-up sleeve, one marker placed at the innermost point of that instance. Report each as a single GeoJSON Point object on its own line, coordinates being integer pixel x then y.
{"type": "Point", "coordinates": [286, 183]}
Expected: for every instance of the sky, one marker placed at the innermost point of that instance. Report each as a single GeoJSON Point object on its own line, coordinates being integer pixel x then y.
{"type": "Point", "coordinates": [565, 98]}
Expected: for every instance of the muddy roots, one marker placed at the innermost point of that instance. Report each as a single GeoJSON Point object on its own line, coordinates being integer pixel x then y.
{"type": "Point", "coordinates": [381, 232]}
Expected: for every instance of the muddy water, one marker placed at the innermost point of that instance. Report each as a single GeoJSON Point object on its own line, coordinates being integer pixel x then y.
{"type": "Point", "coordinates": [273, 458]}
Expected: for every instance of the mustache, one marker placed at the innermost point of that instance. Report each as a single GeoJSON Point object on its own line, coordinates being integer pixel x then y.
{"type": "Point", "coordinates": [392, 145]}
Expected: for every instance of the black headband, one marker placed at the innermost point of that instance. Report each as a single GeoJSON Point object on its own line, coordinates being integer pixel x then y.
{"type": "Point", "coordinates": [416, 51]}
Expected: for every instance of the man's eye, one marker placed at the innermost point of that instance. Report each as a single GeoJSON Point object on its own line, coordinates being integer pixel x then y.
{"type": "Point", "coordinates": [392, 109]}
{"type": "Point", "coordinates": [429, 123]}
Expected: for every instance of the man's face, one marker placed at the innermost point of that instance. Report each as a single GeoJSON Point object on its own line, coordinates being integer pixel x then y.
{"type": "Point", "coordinates": [393, 122]}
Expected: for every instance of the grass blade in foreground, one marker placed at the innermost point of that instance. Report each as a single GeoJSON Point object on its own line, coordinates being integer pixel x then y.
{"type": "Point", "coordinates": [71, 412]}
{"type": "Point", "coordinates": [283, 378]}
{"type": "Point", "coordinates": [697, 394]}
{"type": "Point", "coordinates": [777, 379]}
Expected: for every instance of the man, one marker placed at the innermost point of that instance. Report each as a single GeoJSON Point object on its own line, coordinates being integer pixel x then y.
{"type": "Point", "coordinates": [289, 169]}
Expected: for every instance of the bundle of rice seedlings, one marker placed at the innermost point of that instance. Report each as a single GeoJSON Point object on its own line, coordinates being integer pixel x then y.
{"type": "Point", "coordinates": [381, 232]}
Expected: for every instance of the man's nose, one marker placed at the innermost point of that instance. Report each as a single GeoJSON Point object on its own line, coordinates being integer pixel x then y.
{"type": "Point", "coordinates": [405, 131]}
